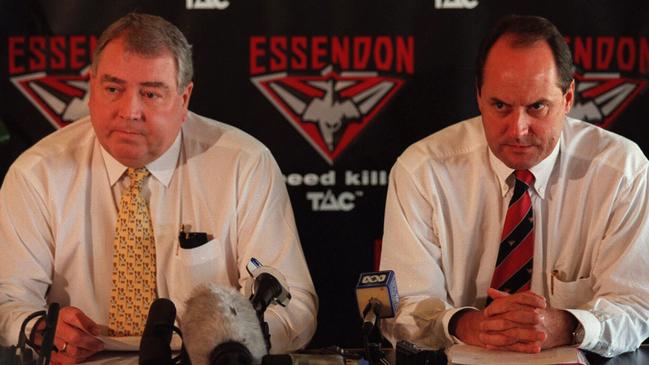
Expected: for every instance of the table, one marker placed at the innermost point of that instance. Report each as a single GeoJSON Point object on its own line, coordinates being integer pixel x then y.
{"type": "Point", "coordinates": [640, 356]}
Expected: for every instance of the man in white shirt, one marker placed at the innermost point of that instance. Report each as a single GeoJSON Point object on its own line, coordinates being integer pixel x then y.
{"type": "Point", "coordinates": [59, 201]}
{"type": "Point", "coordinates": [587, 205]}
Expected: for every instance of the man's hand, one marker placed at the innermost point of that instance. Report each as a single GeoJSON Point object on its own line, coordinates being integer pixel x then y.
{"type": "Point", "coordinates": [75, 337]}
{"type": "Point", "coordinates": [519, 322]}
{"type": "Point", "coordinates": [514, 322]}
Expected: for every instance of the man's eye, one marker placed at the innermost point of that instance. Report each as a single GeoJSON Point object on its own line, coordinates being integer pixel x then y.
{"type": "Point", "coordinates": [111, 90]}
{"type": "Point", "coordinates": [499, 105]}
{"type": "Point", "coordinates": [537, 106]}
{"type": "Point", "coordinates": [150, 95]}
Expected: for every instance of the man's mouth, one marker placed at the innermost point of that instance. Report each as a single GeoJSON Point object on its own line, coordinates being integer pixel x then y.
{"type": "Point", "coordinates": [519, 147]}
{"type": "Point", "coordinates": [123, 131]}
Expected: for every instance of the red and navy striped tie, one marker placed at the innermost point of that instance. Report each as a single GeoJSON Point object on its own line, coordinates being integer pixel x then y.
{"type": "Point", "coordinates": [514, 264]}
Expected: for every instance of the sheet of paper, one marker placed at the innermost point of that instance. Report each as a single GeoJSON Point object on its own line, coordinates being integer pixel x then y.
{"type": "Point", "coordinates": [468, 355]}
{"type": "Point", "coordinates": [132, 343]}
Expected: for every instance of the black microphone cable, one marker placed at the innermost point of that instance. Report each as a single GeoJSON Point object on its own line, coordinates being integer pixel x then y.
{"type": "Point", "coordinates": [371, 334]}
{"type": "Point", "coordinates": [25, 355]}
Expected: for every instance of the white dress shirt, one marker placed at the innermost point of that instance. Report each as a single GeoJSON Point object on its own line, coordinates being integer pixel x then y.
{"type": "Point", "coordinates": [58, 208]}
{"type": "Point", "coordinates": [446, 205]}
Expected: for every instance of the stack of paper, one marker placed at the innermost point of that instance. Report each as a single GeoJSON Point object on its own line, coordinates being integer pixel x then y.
{"type": "Point", "coordinates": [468, 355]}
{"type": "Point", "coordinates": [132, 343]}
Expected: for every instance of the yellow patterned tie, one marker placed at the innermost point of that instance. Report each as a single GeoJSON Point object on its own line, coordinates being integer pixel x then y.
{"type": "Point", "coordinates": [134, 268]}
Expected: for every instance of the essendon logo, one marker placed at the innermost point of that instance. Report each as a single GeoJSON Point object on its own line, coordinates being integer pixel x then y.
{"type": "Point", "coordinates": [602, 92]}
{"type": "Point", "coordinates": [330, 88]}
{"type": "Point", "coordinates": [52, 73]}
{"type": "Point", "coordinates": [601, 97]}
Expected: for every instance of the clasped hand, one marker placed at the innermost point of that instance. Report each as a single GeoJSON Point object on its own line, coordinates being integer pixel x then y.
{"type": "Point", "coordinates": [521, 322]}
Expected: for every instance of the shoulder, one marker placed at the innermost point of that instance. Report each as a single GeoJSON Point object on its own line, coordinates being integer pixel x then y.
{"type": "Point", "coordinates": [602, 149]}
{"type": "Point", "coordinates": [60, 148]}
{"type": "Point", "coordinates": [212, 139]}
{"type": "Point", "coordinates": [460, 142]}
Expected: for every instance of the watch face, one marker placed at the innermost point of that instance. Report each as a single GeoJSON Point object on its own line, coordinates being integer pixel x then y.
{"type": "Point", "coordinates": [578, 335]}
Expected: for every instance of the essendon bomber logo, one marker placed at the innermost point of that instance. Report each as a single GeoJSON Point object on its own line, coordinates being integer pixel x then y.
{"type": "Point", "coordinates": [52, 73]}
{"type": "Point", "coordinates": [330, 88]}
{"type": "Point", "coordinates": [601, 97]}
{"type": "Point", "coordinates": [603, 85]}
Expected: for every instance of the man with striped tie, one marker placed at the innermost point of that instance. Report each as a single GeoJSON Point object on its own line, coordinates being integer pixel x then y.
{"type": "Point", "coordinates": [521, 229]}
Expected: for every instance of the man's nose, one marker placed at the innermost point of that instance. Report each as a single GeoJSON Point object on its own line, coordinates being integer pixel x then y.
{"type": "Point", "coordinates": [130, 106]}
{"type": "Point", "coordinates": [519, 124]}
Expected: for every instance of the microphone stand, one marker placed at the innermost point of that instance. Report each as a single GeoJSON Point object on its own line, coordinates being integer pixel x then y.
{"type": "Point", "coordinates": [372, 335]}
{"type": "Point", "coordinates": [265, 330]}
{"type": "Point", "coordinates": [267, 290]}
{"type": "Point", "coordinates": [48, 334]}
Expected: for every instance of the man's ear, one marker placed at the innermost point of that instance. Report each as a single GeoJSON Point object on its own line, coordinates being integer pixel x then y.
{"type": "Point", "coordinates": [478, 98]}
{"type": "Point", "coordinates": [187, 94]}
{"type": "Point", "coordinates": [569, 97]}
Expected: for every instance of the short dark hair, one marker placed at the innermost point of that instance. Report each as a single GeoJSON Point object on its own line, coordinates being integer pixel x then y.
{"type": "Point", "coordinates": [526, 30]}
{"type": "Point", "coordinates": [150, 35]}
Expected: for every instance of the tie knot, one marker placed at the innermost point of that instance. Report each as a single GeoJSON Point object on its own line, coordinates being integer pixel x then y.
{"type": "Point", "coordinates": [524, 176]}
{"type": "Point", "coordinates": [137, 175]}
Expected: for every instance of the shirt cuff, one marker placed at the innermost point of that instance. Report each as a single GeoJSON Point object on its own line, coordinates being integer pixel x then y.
{"type": "Point", "coordinates": [446, 319]}
{"type": "Point", "coordinates": [592, 328]}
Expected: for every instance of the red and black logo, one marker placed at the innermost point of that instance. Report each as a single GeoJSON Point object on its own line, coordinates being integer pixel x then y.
{"type": "Point", "coordinates": [330, 88]}
{"type": "Point", "coordinates": [602, 89]}
{"type": "Point", "coordinates": [602, 97]}
{"type": "Point", "coordinates": [52, 73]}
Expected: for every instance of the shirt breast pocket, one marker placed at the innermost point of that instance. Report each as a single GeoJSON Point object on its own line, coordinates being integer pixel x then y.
{"type": "Point", "coordinates": [569, 294]}
{"type": "Point", "coordinates": [201, 262]}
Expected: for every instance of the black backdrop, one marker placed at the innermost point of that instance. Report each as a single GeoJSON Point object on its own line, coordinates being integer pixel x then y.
{"type": "Point", "coordinates": [260, 65]}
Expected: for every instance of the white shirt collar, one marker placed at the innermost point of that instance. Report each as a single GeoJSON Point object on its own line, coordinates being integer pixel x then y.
{"type": "Point", "coordinates": [161, 168]}
{"type": "Point", "coordinates": [541, 171]}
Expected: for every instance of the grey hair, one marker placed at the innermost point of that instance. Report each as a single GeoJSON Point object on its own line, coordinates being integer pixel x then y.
{"type": "Point", "coordinates": [150, 35]}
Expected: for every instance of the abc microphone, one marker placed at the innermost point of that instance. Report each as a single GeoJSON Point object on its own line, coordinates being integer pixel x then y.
{"type": "Point", "coordinates": [155, 345]}
{"type": "Point", "coordinates": [377, 297]}
{"type": "Point", "coordinates": [220, 327]}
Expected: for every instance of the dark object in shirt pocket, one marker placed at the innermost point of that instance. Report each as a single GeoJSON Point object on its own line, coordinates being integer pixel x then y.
{"type": "Point", "coordinates": [190, 240]}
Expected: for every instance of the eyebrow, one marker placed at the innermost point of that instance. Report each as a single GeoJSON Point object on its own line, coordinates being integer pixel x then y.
{"type": "Point", "coordinates": [496, 100]}
{"type": "Point", "coordinates": [117, 80]}
{"type": "Point", "coordinates": [541, 100]}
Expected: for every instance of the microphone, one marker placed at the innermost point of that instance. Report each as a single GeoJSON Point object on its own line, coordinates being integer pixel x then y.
{"type": "Point", "coordinates": [267, 287]}
{"type": "Point", "coordinates": [155, 345]}
{"type": "Point", "coordinates": [377, 297]}
{"type": "Point", "coordinates": [221, 327]}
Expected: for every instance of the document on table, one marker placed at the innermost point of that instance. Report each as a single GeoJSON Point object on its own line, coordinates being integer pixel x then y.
{"type": "Point", "coordinates": [468, 355]}
{"type": "Point", "coordinates": [132, 343]}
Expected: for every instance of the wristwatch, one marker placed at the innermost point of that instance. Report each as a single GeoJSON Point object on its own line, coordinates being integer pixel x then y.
{"type": "Point", "coordinates": [578, 334]}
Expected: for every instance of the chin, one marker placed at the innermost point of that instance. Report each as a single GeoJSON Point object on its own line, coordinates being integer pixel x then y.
{"type": "Point", "coordinates": [134, 160]}
{"type": "Point", "coordinates": [519, 161]}
{"type": "Point", "coordinates": [521, 165]}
